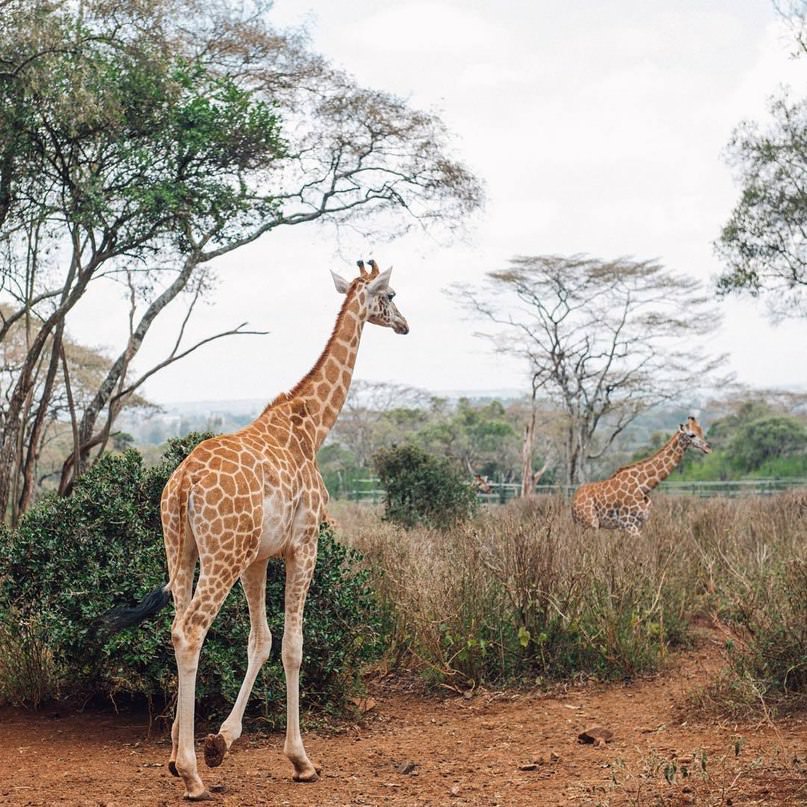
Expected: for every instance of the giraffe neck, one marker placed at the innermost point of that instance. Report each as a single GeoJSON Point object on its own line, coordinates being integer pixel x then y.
{"type": "Point", "coordinates": [658, 467]}
{"type": "Point", "coordinates": [321, 393]}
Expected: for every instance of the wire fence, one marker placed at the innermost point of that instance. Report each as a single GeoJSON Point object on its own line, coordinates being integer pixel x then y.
{"type": "Point", "coordinates": [369, 490]}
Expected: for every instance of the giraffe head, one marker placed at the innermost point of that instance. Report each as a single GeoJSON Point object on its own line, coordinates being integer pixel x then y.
{"type": "Point", "coordinates": [378, 307]}
{"type": "Point", "coordinates": [692, 434]}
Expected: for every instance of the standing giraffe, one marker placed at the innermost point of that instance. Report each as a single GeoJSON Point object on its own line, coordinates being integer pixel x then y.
{"type": "Point", "coordinates": [622, 501]}
{"type": "Point", "coordinates": [238, 500]}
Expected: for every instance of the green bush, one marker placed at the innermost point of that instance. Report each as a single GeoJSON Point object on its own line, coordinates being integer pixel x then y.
{"type": "Point", "coordinates": [72, 559]}
{"type": "Point", "coordinates": [421, 489]}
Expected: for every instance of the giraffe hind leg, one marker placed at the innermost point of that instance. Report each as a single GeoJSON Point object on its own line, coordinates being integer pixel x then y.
{"type": "Point", "coordinates": [188, 636]}
{"type": "Point", "coordinates": [182, 591]}
{"type": "Point", "coordinates": [299, 571]}
{"type": "Point", "coordinates": [253, 581]}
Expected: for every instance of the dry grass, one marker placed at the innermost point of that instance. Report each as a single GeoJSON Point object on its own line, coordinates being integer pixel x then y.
{"type": "Point", "coordinates": [523, 594]}
{"type": "Point", "coordinates": [26, 666]}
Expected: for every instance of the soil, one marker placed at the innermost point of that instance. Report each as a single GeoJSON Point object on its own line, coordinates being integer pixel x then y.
{"type": "Point", "coordinates": [407, 748]}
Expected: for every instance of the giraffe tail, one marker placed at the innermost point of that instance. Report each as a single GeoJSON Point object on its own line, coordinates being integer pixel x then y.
{"type": "Point", "coordinates": [124, 617]}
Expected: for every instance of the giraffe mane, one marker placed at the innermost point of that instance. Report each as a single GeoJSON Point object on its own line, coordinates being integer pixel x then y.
{"type": "Point", "coordinates": [285, 397]}
{"type": "Point", "coordinates": [644, 459]}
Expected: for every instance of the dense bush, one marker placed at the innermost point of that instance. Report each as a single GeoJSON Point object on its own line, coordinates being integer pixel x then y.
{"type": "Point", "coordinates": [74, 558]}
{"type": "Point", "coordinates": [422, 489]}
{"type": "Point", "coordinates": [753, 562]}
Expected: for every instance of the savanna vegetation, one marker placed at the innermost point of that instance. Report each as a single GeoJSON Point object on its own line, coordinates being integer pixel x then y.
{"type": "Point", "coordinates": [513, 595]}
{"type": "Point", "coordinates": [140, 142]}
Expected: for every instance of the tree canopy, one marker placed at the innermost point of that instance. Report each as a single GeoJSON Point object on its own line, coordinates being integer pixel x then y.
{"type": "Point", "coordinates": [141, 141]}
{"type": "Point", "coordinates": [764, 243]}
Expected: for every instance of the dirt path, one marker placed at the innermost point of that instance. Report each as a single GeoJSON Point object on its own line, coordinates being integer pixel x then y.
{"type": "Point", "coordinates": [492, 749]}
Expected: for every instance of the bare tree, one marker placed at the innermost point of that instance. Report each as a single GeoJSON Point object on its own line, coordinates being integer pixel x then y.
{"type": "Point", "coordinates": [377, 415]}
{"type": "Point", "coordinates": [603, 341]}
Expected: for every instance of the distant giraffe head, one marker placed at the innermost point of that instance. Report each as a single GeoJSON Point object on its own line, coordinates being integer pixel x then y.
{"type": "Point", "coordinates": [377, 307]}
{"type": "Point", "coordinates": [692, 435]}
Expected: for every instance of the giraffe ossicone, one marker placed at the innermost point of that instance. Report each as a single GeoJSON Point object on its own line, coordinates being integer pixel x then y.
{"type": "Point", "coordinates": [240, 499]}
{"type": "Point", "coordinates": [622, 501]}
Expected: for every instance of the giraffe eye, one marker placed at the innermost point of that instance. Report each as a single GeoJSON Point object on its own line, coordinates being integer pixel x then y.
{"type": "Point", "coordinates": [390, 295]}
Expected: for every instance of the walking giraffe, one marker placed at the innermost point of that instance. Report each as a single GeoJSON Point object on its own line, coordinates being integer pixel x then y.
{"type": "Point", "coordinates": [622, 501]}
{"type": "Point", "coordinates": [238, 500]}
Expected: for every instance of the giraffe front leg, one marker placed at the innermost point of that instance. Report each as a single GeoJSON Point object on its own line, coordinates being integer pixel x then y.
{"type": "Point", "coordinates": [299, 571]}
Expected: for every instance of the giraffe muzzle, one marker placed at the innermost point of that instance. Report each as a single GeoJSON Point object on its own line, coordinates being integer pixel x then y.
{"type": "Point", "coordinates": [401, 327]}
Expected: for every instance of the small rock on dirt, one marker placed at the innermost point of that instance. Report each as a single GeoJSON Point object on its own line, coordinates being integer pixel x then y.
{"type": "Point", "coordinates": [455, 791]}
{"type": "Point", "coordinates": [528, 766]}
{"type": "Point", "coordinates": [364, 705]}
{"type": "Point", "coordinates": [407, 767]}
{"type": "Point", "coordinates": [218, 788]}
{"type": "Point", "coordinates": [598, 736]}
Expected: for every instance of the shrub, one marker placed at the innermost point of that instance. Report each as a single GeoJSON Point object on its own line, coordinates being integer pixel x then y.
{"type": "Point", "coordinates": [422, 489]}
{"type": "Point", "coordinates": [72, 559]}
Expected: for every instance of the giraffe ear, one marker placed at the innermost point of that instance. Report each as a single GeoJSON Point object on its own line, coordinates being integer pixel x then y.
{"type": "Point", "coordinates": [381, 283]}
{"type": "Point", "coordinates": [341, 284]}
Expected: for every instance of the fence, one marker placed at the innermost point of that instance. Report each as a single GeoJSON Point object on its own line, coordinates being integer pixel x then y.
{"type": "Point", "coordinates": [368, 490]}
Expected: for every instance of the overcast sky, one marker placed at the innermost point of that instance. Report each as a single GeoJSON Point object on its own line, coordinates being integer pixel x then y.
{"type": "Point", "coordinates": [597, 127]}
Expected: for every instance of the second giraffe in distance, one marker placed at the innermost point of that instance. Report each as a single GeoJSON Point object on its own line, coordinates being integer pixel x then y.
{"type": "Point", "coordinates": [621, 502]}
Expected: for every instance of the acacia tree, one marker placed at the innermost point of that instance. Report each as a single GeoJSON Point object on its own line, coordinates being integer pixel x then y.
{"type": "Point", "coordinates": [764, 242]}
{"type": "Point", "coordinates": [141, 141]}
{"type": "Point", "coordinates": [603, 341]}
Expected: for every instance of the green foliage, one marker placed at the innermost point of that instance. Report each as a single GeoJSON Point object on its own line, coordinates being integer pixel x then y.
{"type": "Point", "coordinates": [763, 243]}
{"type": "Point", "coordinates": [72, 559]}
{"type": "Point", "coordinates": [143, 142]}
{"type": "Point", "coordinates": [754, 441]}
{"type": "Point", "coordinates": [764, 439]}
{"type": "Point", "coordinates": [340, 471]}
{"type": "Point", "coordinates": [422, 489]}
{"type": "Point", "coordinates": [480, 436]}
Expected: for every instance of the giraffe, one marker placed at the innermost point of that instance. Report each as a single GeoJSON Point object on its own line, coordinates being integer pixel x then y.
{"type": "Point", "coordinates": [238, 500]}
{"type": "Point", "coordinates": [622, 501]}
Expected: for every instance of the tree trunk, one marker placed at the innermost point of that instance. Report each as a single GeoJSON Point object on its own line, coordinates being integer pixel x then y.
{"type": "Point", "coordinates": [37, 434]}
{"type": "Point", "coordinates": [527, 449]}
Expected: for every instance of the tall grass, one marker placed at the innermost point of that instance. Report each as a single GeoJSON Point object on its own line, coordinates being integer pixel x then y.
{"type": "Point", "coordinates": [521, 593]}
{"type": "Point", "coordinates": [26, 664]}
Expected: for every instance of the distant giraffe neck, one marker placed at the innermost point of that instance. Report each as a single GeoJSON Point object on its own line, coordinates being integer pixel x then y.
{"type": "Point", "coordinates": [658, 467]}
{"type": "Point", "coordinates": [324, 389]}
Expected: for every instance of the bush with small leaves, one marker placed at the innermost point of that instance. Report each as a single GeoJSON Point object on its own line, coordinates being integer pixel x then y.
{"type": "Point", "coordinates": [72, 559]}
{"type": "Point", "coordinates": [421, 489]}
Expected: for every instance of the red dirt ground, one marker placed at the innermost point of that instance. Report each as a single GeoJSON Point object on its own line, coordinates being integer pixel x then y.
{"type": "Point", "coordinates": [491, 749]}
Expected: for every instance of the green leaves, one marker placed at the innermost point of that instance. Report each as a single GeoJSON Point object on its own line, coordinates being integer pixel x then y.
{"type": "Point", "coordinates": [763, 244]}
{"type": "Point", "coordinates": [422, 489]}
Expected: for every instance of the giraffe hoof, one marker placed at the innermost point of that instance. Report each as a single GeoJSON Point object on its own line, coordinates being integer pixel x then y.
{"type": "Point", "coordinates": [172, 768]}
{"type": "Point", "coordinates": [215, 748]}
{"type": "Point", "coordinates": [307, 778]}
{"type": "Point", "coordinates": [203, 796]}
